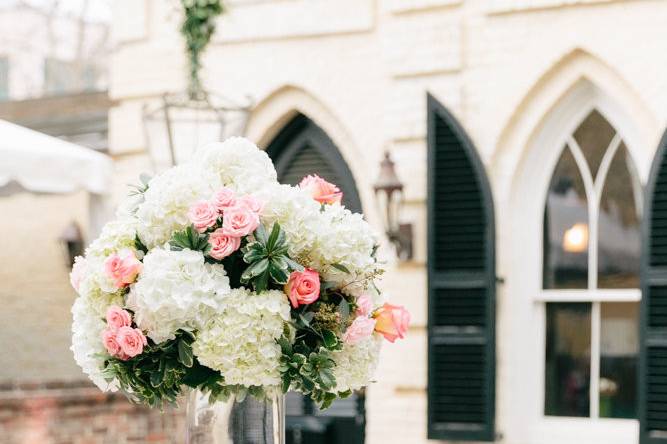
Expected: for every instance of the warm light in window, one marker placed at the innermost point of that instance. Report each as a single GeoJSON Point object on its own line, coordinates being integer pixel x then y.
{"type": "Point", "coordinates": [575, 239]}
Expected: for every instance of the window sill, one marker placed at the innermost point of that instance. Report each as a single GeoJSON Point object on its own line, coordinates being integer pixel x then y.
{"type": "Point", "coordinates": [557, 430]}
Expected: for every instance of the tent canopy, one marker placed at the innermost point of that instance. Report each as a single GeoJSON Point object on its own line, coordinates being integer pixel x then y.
{"type": "Point", "coordinates": [38, 163]}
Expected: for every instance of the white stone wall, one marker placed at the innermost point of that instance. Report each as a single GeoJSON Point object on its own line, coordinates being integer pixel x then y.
{"type": "Point", "coordinates": [361, 70]}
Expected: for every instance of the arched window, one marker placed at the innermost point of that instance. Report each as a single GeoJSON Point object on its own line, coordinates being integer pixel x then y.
{"type": "Point", "coordinates": [591, 254]}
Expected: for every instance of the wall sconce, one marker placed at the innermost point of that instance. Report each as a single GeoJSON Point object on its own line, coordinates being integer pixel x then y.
{"type": "Point", "coordinates": [389, 193]}
{"type": "Point", "coordinates": [72, 243]}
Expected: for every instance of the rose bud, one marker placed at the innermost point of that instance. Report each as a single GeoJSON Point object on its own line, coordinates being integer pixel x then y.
{"type": "Point", "coordinates": [321, 190]}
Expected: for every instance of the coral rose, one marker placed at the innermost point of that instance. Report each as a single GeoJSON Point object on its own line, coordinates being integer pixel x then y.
{"type": "Point", "coordinates": [222, 245]}
{"type": "Point", "coordinates": [122, 268]}
{"type": "Point", "coordinates": [239, 221]}
{"type": "Point", "coordinates": [203, 215]}
{"type": "Point", "coordinates": [391, 321]}
{"type": "Point", "coordinates": [321, 190]}
{"type": "Point", "coordinates": [131, 341]}
{"type": "Point", "coordinates": [361, 328]}
{"type": "Point", "coordinates": [303, 287]}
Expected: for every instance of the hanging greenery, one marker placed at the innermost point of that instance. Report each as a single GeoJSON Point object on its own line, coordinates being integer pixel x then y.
{"type": "Point", "coordinates": [198, 27]}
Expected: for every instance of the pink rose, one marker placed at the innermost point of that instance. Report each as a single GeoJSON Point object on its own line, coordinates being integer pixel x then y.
{"type": "Point", "coordinates": [79, 270]}
{"type": "Point", "coordinates": [222, 245]}
{"type": "Point", "coordinates": [361, 328]}
{"type": "Point", "coordinates": [110, 343]}
{"type": "Point", "coordinates": [391, 321]}
{"type": "Point", "coordinates": [117, 318]}
{"type": "Point", "coordinates": [303, 287]}
{"type": "Point", "coordinates": [122, 268]}
{"type": "Point", "coordinates": [224, 198]}
{"type": "Point", "coordinates": [364, 305]}
{"type": "Point", "coordinates": [252, 203]}
{"type": "Point", "coordinates": [321, 190]}
{"type": "Point", "coordinates": [239, 221]}
{"type": "Point", "coordinates": [203, 215]}
{"type": "Point", "coordinates": [131, 341]}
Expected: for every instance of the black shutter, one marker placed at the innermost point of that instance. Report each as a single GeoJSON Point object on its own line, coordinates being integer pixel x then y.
{"type": "Point", "coordinates": [653, 326]}
{"type": "Point", "coordinates": [461, 285]}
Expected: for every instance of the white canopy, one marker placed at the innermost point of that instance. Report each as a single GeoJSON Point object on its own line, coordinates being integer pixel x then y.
{"type": "Point", "coordinates": [35, 162]}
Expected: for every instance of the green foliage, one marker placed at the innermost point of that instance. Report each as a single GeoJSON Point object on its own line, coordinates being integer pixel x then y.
{"type": "Point", "coordinates": [191, 239]}
{"type": "Point", "coordinates": [269, 262]}
{"type": "Point", "coordinates": [198, 27]}
{"type": "Point", "coordinates": [155, 376]}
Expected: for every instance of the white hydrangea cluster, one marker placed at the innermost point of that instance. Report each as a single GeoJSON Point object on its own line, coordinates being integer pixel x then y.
{"type": "Point", "coordinates": [298, 215]}
{"type": "Point", "coordinates": [168, 199]}
{"type": "Point", "coordinates": [238, 164]}
{"type": "Point", "coordinates": [356, 363]}
{"type": "Point", "coordinates": [116, 235]}
{"type": "Point", "coordinates": [87, 327]}
{"type": "Point", "coordinates": [241, 341]}
{"type": "Point", "coordinates": [176, 290]}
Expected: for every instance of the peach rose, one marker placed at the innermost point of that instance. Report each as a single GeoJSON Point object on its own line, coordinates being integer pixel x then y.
{"type": "Point", "coordinates": [252, 202]}
{"type": "Point", "coordinates": [110, 343]}
{"type": "Point", "coordinates": [303, 287]}
{"type": "Point", "coordinates": [239, 221]}
{"type": "Point", "coordinates": [364, 305]}
{"type": "Point", "coordinates": [79, 270]}
{"type": "Point", "coordinates": [122, 268]}
{"type": "Point", "coordinates": [361, 328]}
{"type": "Point", "coordinates": [222, 245]}
{"type": "Point", "coordinates": [131, 341]}
{"type": "Point", "coordinates": [203, 215]}
{"type": "Point", "coordinates": [321, 190]}
{"type": "Point", "coordinates": [391, 321]}
{"type": "Point", "coordinates": [117, 318]}
{"type": "Point", "coordinates": [224, 198]}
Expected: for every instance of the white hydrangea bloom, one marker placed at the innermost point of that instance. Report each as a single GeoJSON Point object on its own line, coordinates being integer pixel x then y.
{"type": "Point", "coordinates": [356, 363]}
{"type": "Point", "coordinates": [344, 238]}
{"type": "Point", "coordinates": [176, 290]}
{"type": "Point", "coordinates": [96, 287]}
{"type": "Point", "coordinates": [241, 341]}
{"type": "Point", "coordinates": [298, 215]}
{"type": "Point", "coordinates": [87, 327]}
{"type": "Point", "coordinates": [168, 199]}
{"type": "Point", "coordinates": [238, 164]}
{"type": "Point", "coordinates": [116, 235]}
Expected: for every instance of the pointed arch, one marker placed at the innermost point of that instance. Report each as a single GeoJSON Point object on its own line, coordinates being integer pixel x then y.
{"type": "Point", "coordinates": [282, 106]}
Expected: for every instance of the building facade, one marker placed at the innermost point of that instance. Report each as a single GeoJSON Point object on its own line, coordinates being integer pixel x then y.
{"type": "Point", "coordinates": [536, 121]}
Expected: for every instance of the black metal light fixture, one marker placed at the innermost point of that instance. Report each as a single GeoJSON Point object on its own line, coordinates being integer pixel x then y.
{"type": "Point", "coordinates": [72, 243]}
{"type": "Point", "coordinates": [181, 122]}
{"type": "Point", "coordinates": [389, 193]}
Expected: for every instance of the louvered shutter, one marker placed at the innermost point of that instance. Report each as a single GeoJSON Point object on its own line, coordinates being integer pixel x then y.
{"type": "Point", "coordinates": [461, 285]}
{"type": "Point", "coordinates": [653, 342]}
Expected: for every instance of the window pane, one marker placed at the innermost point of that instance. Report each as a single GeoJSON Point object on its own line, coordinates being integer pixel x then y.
{"type": "Point", "coordinates": [566, 228]}
{"type": "Point", "coordinates": [618, 359]}
{"type": "Point", "coordinates": [567, 373]}
{"type": "Point", "coordinates": [593, 137]}
{"type": "Point", "coordinates": [619, 235]}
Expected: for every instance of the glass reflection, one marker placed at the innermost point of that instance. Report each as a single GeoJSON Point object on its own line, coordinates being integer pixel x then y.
{"type": "Point", "coordinates": [566, 228]}
{"type": "Point", "coordinates": [567, 371]}
{"type": "Point", "coordinates": [593, 137]}
{"type": "Point", "coordinates": [618, 226]}
{"type": "Point", "coordinates": [568, 359]}
{"type": "Point", "coordinates": [618, 359]}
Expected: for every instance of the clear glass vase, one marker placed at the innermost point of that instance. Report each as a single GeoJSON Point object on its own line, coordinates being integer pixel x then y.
{"type": "Point", "coordinates": [249, 421]}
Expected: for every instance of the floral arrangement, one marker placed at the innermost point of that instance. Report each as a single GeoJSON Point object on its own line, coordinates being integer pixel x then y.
{"type": "Point", "coordinates": [215, 276]}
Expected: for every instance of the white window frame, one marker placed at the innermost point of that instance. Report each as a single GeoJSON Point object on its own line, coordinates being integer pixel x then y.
{"type": "Point", "coordinates": [522, 303]}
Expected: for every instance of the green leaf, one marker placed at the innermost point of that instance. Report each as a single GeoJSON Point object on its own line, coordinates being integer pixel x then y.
{"type": "Point", "coordinates": [341, 267]}
{"type": "Point", "coordinates": [306, 318]}
{"type": "Point", "coordinates": [328, 379]}
{"type": "Point", "coordinates": [285, 384]}
{"type": "Point", "coordinates": [330, 339]}
{"type": "Point", "coordinates": [260, 234]}
{"type": "Point", "coordinates": [273, 237]}
{"type": "Point", "coordinates": [278, 275]}
{"type": "Point", "coordinates": [185, 353]}
{"type": "Point", "coordinates": [262, 281]}
{"type": "Point", "coordinates": [293, 265]}
{"type": "Point", "coordinates": [344, 310]}
{"type": "Point", "coordinates": [254, 252]}
{"type": "Point", "coordinates": [255, 270]}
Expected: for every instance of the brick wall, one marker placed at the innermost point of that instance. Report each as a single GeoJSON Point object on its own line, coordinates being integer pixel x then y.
{"type": "Point", "coordinates": [78, 413]}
